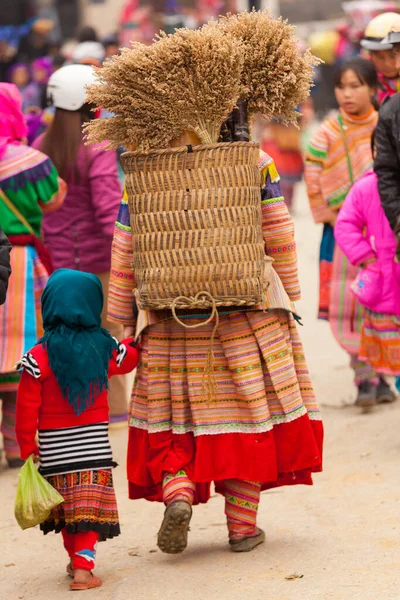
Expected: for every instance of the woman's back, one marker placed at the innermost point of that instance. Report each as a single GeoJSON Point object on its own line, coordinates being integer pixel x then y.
{"type": "Point", "coordinates": [79, 235]}
{"type": "Point", "coordinates": [30, 182]}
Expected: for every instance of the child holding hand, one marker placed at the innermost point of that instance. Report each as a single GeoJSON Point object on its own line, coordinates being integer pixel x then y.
{"type": "Point", "coordinates": [63, 396]}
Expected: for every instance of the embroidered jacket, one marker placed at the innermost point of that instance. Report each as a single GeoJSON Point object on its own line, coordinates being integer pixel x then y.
{"type": "Point", "coordinates": [41, 406]}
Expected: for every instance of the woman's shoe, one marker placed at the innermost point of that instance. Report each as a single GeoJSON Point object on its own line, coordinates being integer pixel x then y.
{"type": "Point", "coordinates": [173, 534]}
{"type": "Point", "coordinates": [248, 544]}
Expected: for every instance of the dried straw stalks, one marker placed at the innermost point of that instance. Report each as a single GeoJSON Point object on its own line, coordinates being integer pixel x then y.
{"type": "Point", "coordinates": [276, 76]}
{"type": "Point", "coordinates": [192, 80]}
{"type": "Point", "coordinates": [187, 81]}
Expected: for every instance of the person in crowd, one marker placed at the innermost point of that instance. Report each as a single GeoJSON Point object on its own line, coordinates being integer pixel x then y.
{"type": "Point", "coordinates": [86, 34]}
{"type": "Point", "coordinates": [284, 144]}
{"type": "Point", "coordinates": [34, 96]}
{"type": "Point", "coordinates": [58, 61]}
{"type": "Point", "coordinates": [37, 43]}
{"type": "Point", "coordinates": [89, 53]}
{"type": "Point", "coordinates": [381, 53]}
{"type": "Point", "coordinates": [364, 235]}
{"type": "Point", "coordinates": [79, 235]}
{"type": "Point", "coordinates": [29, 186]}
{"type": "Point", "coordinates": [62, 396]}
{"type": "Point", "coordinates": [387, 159]}
{"type": "Point", "coordinates": [5, 266]}
{"type": "Point", "coordinates": [338, 155]}
{"type": "Point", "coordinates": [19, 74]}
{"type": "Point", "coordinates": [7, 59]}
{"type": "Point", "coordinates": [262, 427]}
{"type": "Point", "coordinates": [111, 46]}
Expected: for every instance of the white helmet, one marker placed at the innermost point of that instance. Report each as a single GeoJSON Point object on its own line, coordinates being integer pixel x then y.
{"type": "Point", "coordinates": [376, 33]}
{"type": "Point", "coordinates": [67, 86]}
{"type": "Point", "coordinates": [89, 51]}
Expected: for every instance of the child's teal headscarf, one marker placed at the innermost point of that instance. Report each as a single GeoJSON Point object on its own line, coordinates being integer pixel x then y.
{"type": "Point", "coordinates": [79, 349]}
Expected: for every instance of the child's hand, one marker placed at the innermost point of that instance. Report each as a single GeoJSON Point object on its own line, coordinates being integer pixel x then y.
{"type": "Point", "coordinates": [129, 331]}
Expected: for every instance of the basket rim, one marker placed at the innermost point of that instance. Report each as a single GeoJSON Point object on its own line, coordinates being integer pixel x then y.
{"type": "Point", "coordinates": [184, 149]}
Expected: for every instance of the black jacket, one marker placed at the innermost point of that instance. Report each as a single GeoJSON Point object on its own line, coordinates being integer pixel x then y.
{"type": "Point", "coordinates": [5, 267]}
{"type": "Point", "coordinates": [387, 161]}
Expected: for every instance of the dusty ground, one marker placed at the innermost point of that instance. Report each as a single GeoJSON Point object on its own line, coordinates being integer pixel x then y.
{"type": "Point", "coordinates": [341, 536]}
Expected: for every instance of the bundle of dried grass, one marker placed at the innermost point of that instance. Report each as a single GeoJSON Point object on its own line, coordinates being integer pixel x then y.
{"type": "Point", "coordinates": [276, 76]}
{"type": "Point", "coordinates": [187, 81]}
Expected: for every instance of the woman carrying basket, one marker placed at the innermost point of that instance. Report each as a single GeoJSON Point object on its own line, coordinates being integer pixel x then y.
{"type": "Point", "coordinates": [260, 429]}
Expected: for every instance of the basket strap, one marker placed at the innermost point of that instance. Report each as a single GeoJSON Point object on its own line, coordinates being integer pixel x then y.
{"type": "Point", "coordinates": [209, 388]}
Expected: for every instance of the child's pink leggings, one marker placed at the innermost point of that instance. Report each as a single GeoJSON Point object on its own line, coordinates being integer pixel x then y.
{"type": "Point", "coordinates": [81, 548]}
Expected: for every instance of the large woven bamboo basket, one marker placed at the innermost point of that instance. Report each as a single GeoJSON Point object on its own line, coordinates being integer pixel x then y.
{"type": "Point", "coordinates": [196, 226]}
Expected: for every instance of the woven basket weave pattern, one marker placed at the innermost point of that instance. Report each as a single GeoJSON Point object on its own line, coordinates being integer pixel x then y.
{"type": "Point", "coordinates": [196, 225]}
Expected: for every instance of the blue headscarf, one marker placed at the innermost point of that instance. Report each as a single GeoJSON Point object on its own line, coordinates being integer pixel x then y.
{"type": "Point", "coordinates": [79, 349]}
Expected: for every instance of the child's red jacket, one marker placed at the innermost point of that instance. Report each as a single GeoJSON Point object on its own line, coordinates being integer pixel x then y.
{"type": "Point", "coordinates": [41, 406]}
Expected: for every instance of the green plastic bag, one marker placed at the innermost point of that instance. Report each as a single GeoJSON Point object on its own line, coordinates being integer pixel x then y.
{"type": "Point", "coordinates": [35, 497]}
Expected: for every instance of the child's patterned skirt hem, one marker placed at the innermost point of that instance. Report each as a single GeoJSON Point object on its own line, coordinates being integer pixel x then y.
{"type": "Point", "coordinates": [106, 531]}
{"type": "Point", "coordinates": [380, 342]}
{"type": "Point", "coordinates": [89, 504]}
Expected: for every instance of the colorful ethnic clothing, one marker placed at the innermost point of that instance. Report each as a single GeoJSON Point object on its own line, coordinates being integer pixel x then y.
{"type": "Point", "coordinates": [30, 182]}
{"type": "Point", "coordinates": [329, 173]}
{"type": "Point", "coordinates": [42, 407]}
{"type": "Point", "coordinates": [380, 342]}
{"type": "Point", "coordinates": [89, 504]}
{"type": "Point", "coordinates": [81, 548]}
{"type": "Point", "coordinates": [284, 144]}
{"type": "Point", "coordinates": [387, 87]}
{"type": "Point", "coordinates": [263, 423]}
{"type": "Point", "coordinates": [241, 501]}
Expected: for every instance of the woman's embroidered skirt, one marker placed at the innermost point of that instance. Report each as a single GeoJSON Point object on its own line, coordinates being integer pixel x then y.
{"type": "Point", "coordinates": [20, 316]}
{"type": "Point", "coordinates": [262, 424]}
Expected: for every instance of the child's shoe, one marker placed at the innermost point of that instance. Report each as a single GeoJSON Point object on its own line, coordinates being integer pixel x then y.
{"type": "Point", "coordinates": [94, 582]}
{"type": "Point", "coordinates": [367, 394]}
{"type": "Point", "coordinates": [384, 392]}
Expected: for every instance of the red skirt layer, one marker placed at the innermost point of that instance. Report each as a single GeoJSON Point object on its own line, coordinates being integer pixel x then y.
{"type": "Point", "coordinates": [286, 455]}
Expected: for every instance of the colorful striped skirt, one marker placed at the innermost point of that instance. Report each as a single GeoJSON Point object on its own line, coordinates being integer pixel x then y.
{"type": "Point", "coordinates": [20, 316]}
{"type": "Point", "coordinates": [262, 424]}
{"type": "Point", "coordinates": [326, 250]}
{"type": "Point", "coordinates": [380, 342]}
{"type": "Point", "coordinates": [345, 313]}
{"type": "Point", "coordinates": [89, 504]}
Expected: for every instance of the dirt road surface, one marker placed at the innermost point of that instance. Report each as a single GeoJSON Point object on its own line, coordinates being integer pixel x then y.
{"type": "Point", "coordinates": [339, 540]}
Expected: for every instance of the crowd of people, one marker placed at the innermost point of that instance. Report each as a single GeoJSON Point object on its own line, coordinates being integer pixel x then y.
{"type": "Point", "coordinates": [66, 280]}
{"type": "Point", "coordinates": [339, 164]}
{"type": "Point", "coordinates": [30, 56]}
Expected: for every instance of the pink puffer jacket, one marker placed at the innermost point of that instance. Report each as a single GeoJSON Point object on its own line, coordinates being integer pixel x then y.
{"type": "Point", "coordinates": [362, 232]}
{"type": "Point", "coordinates": [79, 235]}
